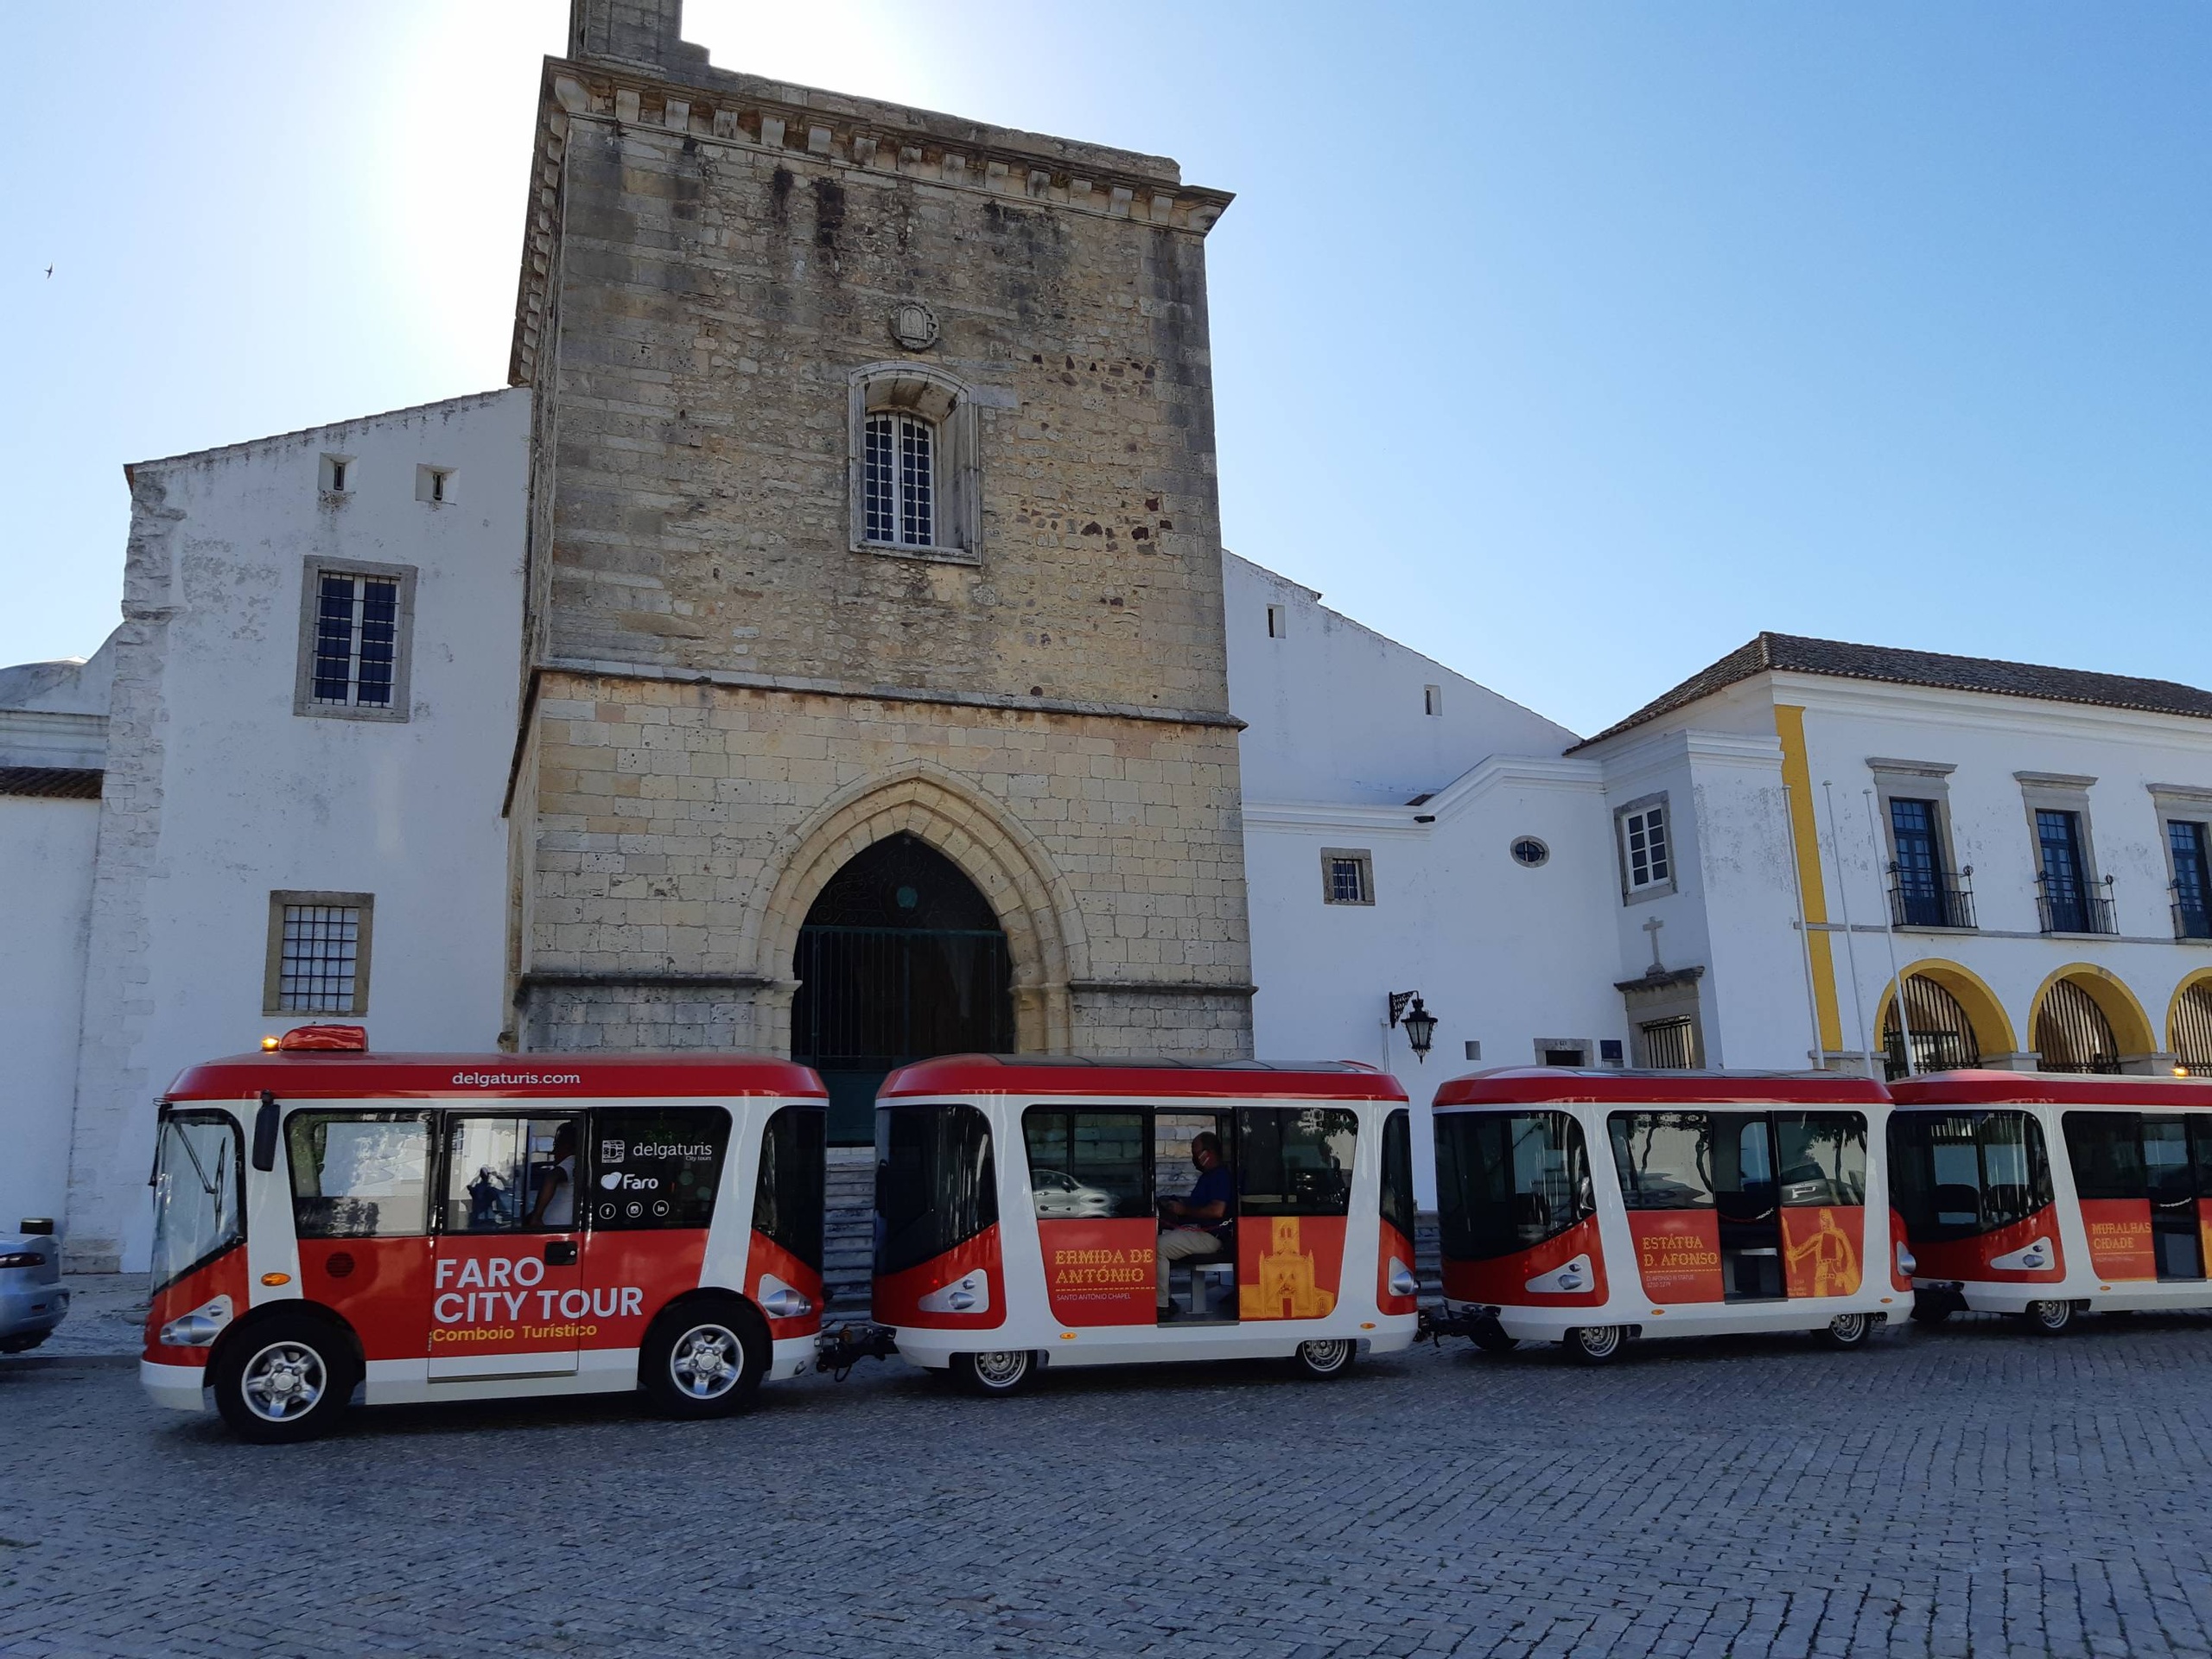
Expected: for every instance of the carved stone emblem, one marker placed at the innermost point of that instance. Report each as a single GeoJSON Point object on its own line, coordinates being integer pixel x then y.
{"type": "Point", "coordinates": [913, 325]}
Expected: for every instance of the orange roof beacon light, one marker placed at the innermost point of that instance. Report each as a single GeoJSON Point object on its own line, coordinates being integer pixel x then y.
{"type": "Point", "coordinates": [268, 1045]}
{"type": "Point", "coordinates": [323, 1040]}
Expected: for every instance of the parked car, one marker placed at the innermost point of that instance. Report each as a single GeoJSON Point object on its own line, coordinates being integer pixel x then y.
{"type": "Point", "coordinates": [32, 1300]}
{"type": "Point", "coordinates": [1060, 1197]}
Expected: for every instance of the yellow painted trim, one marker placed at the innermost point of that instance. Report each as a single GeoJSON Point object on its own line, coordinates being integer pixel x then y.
{"type": "Point", "coordinates": [2202, 977]}
{"type": "Point", "coordinates": [1992, 1028]}
{"type": "Point", "coordinates": [2130, 1026]}
{"type": "Point", "coordinates": [1812, 891]}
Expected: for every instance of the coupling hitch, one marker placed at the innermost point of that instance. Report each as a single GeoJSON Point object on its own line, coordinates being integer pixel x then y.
{"type": "Point", "coordinates": [1445, 1320]}
{"type": "Point", "coordinates": [839, 1349]}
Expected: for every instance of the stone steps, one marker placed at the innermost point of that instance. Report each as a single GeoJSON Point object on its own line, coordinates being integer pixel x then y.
{"type": "Point", "coordinates": [849, 1232]}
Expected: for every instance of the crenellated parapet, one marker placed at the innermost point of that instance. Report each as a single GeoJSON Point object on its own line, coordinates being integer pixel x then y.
{"type": "Point", "coordinates": [720, 108]}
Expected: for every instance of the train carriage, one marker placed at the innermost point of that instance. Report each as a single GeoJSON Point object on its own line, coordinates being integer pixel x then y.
{"type": "Point", "coordinates": [1588, 1208]}
{"type": "Point", "coordinates": [442, 1227]}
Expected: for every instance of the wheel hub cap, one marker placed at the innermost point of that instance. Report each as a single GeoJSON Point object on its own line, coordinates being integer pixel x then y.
{"type": "Point", "coordinates": [702, 1364]}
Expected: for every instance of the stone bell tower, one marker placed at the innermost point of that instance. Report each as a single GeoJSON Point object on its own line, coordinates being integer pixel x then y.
{"type": "Point", "coordinates": [873, 497]}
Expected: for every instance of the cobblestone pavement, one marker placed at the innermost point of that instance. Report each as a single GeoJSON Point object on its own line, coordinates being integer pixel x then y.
{"type": "Point", "coordinates": [1964, 1491]}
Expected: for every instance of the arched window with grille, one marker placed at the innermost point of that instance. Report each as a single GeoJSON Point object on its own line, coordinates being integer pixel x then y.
{"type": "Point", "coordinates": [916, 482]}
{"type": "Point", "coordinates": [1942, 1035]}
{"type": "Point", "coordinates": [2192, 1027]}
{"type": "Point", "coordinates": [2072, 1033]}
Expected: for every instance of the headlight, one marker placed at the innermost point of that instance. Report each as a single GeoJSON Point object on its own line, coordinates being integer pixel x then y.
{"type": "Point", "coordinates": [199, 1328]}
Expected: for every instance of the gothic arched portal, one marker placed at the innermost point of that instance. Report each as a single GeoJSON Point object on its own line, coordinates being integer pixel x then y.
{"type": "Point", "coordinates": [900, 957]}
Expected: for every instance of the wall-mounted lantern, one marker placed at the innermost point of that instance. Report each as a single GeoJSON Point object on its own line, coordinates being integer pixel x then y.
{"type": "Point", "coordinates": [1408, 1009]}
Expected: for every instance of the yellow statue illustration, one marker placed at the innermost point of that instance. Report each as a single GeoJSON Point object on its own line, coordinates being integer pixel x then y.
{"type": "Point", "coordinates": [1833, 1265]}
{"type": "Point", "coordinates": [1289, 1286]}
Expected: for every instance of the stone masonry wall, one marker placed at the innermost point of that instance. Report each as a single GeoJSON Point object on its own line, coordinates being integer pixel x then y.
{"type": "Point", "coordinates": [684, 826]}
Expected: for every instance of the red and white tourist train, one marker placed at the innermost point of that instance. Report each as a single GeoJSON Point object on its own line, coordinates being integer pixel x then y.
{"type": "Point", "coordinates": [1591, 1207]}
{"type": "Point", "coordinates": [442, 1227]}
{"type": "Point", "coordinates": [1042, 1212]}
{"type": "Point", "coordinates": [2000, 1223]}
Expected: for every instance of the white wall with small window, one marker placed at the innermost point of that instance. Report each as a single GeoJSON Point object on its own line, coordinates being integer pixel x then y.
{"type": "Point", "coordinates": [307, 755]}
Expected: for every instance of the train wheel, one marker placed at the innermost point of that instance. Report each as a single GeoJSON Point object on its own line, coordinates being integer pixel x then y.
{"type": "Point", "coordinates": [1493, 1339]}
{"type": "Point", "coordinates": [1325, 1359]}
{"type": "Point", "coordinates": [1007, 1370]}
{"type": "Point", "coordinates": [704, 1358]}
{"type": "Point", "coordinates": [1847, 1330]}
{"type": "Point", "coordinates": [288, 1378]}
{"type": "Point", "coordinates": [2048, 1319]}
{"type": "Point", "coordinates": [1595, 1344]}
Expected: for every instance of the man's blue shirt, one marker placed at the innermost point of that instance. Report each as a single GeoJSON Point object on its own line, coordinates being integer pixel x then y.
{"type": "Point", "coordinates": [1214, 1186]}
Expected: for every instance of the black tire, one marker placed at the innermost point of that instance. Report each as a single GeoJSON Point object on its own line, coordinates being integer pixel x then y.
{"type": "Point", "coordinates": [284, 1378]}
{"type": "Point", "coordinates": [2048, 1319]}
{"type": "Point", "coordinates": [1491, 1339]}
{"type": "Point", "coordinates": [1330, 1356]}
{"type": "Point", "coordinates": [704, 1358]}
{"type": "Point", "coordinates": [1595, 1345]}
{"type": "Point", "coordinates": [1847, 1332]}
{"type": "Point", "coordinates": [997, 1373]}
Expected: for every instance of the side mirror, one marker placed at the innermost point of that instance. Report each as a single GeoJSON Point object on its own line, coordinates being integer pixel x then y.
{"type": "Point", "coordinates": [265, 1132]}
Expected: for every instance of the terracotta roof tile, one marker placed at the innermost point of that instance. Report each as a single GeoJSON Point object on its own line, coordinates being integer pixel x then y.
{"type": "Point", "coordinates": [1795, 654]}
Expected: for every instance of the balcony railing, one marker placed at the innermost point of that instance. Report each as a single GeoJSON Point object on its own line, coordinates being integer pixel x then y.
{"type": "Point", "coordinates": [1926, 904]}
{"type": "Point", "coordinates": [2192, 921]}
{"type": "Point", "coordinates": [2070, 907]}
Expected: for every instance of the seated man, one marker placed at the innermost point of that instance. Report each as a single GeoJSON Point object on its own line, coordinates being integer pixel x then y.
{"type": "Point", "coordinates": [1189, 1226]}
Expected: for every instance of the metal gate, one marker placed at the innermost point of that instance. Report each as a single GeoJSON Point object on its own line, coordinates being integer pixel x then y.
{"type": "Point", "coordinates": [2072, 1033]}
{"type": "Point", "coordinates": [1943, 1036]}
{"type": "Point", "coordinates": [874, 998]}
{"type": "Point", "coordinates": [2192, 1028]}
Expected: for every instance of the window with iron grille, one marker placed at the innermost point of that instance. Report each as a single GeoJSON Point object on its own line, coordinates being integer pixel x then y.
{"type": "Point", "coordinates": [318, 960]}
{"type": "Point", "coordinates": [1647, 858]}
{"type": "Point", "coordinates": [1347, 876]}
{"type": "Point", "coordinates": [1669, 1044]}
{"type": "Point", "coordinates": [898, 486]}
{"type": "Point", "coordinates": [353, 640]}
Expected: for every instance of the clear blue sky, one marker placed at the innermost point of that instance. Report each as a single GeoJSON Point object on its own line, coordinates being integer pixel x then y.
{"type": "Point", "coordinates": [1571, 344]}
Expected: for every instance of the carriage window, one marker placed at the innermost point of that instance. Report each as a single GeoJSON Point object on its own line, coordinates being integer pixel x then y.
{"type": "Point", "coordinates": [1664, 1158]}
{"type": "Point", "coordinates": [359, 1174]}
{"type": "Point", "coordinates": [511, 1175]}
{"type": "Point", "coordinates": [936, 1186]}
{"type": "Point", "coordinates": [1823, 1157]}
{"type": "Point", "coordinates": [2106, 1149]}
{"type": "Point", "coordinates": [1397, 1196]}
{"type": "Point", "coordinates": [787, 1198]}
{"type": "Point", "coordinates": [1507, 1180]}
{"type": "Point", "coordinates": [1957, 1175]}
{"type": "Point", "coordinates": [1086, 1166]}
{"type": "Point", "coordinates": [656, 1166]}
{"type": "Point", "coordinates": [1295, 1161]}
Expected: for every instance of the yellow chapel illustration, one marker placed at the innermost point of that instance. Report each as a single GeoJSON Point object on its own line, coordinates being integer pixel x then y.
{"type": "Point", "coordinates": [1289, 1288]}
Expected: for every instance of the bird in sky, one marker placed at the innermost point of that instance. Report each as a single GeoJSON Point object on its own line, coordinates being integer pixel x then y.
{"type": "Point", "coordinates": [49, 271]}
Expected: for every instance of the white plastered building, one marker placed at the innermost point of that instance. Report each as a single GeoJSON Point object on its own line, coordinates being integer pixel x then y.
{"type": "Point", "coordinates": [297, 740]}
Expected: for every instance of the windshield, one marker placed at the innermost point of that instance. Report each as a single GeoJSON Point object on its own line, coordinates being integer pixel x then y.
{"type": "Point", "coordinates": [1507, 1181]}
{"type": "Point", "coordinates": [1960, 1174]}
{"type": "Point", "coordinates": [198, 1206]}
{"type": "Point", "coordinates": [935, 1184]}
